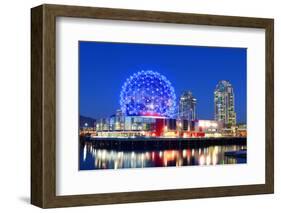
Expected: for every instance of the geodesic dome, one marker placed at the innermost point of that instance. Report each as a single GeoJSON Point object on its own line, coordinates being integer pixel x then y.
{"type": "Point", "coordinates": [148, 93]}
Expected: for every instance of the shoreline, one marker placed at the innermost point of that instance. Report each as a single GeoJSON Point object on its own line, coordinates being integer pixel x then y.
{"type": "Point", "coordinates": [160, 143]}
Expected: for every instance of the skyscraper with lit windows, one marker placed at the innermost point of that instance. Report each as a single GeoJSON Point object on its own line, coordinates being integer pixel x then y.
{"type": "Point", "coordinates": [224, 103]}
{"type": "Point", "coordinates": [187, 106]}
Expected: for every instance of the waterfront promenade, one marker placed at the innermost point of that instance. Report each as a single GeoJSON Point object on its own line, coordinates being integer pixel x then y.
{"type": "Point", "coordinates": [160, 143]}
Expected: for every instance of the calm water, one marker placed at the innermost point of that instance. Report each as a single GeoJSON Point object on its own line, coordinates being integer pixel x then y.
{"type": "Point", "coordinates": [91, 159]}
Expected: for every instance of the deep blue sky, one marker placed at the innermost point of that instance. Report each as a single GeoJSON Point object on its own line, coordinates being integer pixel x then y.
{"type": "Point", "coordinates": [104, 67]}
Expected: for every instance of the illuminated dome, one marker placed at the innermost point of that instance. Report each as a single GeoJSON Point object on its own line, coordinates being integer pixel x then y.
{"type": "Point", "coordinates": [148, 93]}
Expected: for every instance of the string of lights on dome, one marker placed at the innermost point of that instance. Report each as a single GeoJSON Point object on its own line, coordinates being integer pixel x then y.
{"type": "Point", "coordinates": [148, 93]}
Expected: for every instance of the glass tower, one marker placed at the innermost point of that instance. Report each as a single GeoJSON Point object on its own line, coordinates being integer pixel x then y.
{"type": "Point", "coordinates": [187, 106]}
{"type": "Point", "coordinates": [224, 104]}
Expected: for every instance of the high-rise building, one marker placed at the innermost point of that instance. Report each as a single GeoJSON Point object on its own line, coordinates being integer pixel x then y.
{"type": "Point", "coordinates": [224, 104]}
{"type": "Point", "coordinates": [187, 106]}
{"type": "Point", "coordinates": [119, 120]}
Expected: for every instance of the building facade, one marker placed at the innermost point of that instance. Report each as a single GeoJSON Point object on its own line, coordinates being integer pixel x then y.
{"type": "Point", "coordinates": [187, 106]}
{"type": "Point", "coordinates": [224, 104]}
{"type": "Point", "coordinates": [209, 127]}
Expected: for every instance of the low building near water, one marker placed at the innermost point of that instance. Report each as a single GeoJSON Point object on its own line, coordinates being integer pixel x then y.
{"type": "Point", "coordinates": [211, 128]}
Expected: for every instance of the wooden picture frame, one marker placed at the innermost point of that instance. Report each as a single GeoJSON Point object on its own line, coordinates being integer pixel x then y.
{"type": "Point", "coordinates": [43, 105]}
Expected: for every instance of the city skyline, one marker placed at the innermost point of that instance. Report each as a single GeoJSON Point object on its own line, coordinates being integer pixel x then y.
{"type": "Point", "coordinates": [182, 81]}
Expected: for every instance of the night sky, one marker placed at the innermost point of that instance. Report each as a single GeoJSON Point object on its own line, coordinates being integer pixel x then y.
{"type": "Point", "coordinates": [104, 67]}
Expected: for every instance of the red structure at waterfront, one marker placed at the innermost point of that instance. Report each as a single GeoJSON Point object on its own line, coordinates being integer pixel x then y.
{"type": "Point", "coordinates": [160, 125]}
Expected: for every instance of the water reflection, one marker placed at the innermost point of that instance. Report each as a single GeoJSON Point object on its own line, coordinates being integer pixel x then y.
{"type": "Point", "coordinates": [91, 158]}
